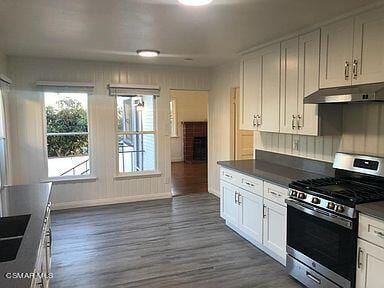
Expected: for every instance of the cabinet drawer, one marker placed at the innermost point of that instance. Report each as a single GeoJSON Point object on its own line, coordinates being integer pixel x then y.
{"type": "Point", "coordinates": [275, 193]}
{"type": "Point", "coordinates": [229, 176]}
{"type": "Point", "coordinates": [251, 184]}
{"type": "Point", "coordinates": [371, 229]}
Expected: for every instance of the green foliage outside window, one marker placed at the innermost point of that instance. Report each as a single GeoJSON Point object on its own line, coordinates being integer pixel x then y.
{"type": "Point", "coordinates": [69, 117]}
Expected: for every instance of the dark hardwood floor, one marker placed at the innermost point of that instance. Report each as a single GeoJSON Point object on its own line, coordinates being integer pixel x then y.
{"type": "Point", "coordinates": [179, 242]}
{"type": "Point", "coordinates": [189, 178]}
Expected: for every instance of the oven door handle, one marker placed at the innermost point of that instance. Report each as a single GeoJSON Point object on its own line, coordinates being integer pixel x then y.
{"type": "Point", "coordinates": [308, 209]}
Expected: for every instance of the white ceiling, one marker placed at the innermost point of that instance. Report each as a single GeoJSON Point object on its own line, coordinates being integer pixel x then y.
{"type": "Point", "coordinates": [115, 29]}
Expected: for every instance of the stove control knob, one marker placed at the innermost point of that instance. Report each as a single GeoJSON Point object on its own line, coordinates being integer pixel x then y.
{"type": "Point", "coordinates": [294, 193]}
{"type": "Point", "coordinates": [315, 200]}
{"type": "Point", "coordinates": [331, 205]}
{"type": "Point", "coordinates": [301, 195]}
{"type": "Point", "coordinates": [339, 208]}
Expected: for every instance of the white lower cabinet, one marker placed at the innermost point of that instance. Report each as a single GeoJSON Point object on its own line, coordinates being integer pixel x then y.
{"type": "Point", "coordinates": [259, 218]}
{"type": "Point", "coordinates": [370, 253]}
{"type": "Point", "coordinates": [251, 215]}
{"type": "Point", "coordinates": [275, 228]}
{"type": "Point", "coordinates": [370, 266]}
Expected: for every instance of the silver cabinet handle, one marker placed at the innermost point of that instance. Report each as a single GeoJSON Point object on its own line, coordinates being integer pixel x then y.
{"type": "Point", "coordinates": [275, 194]}
{"type": "Point", "coordinates": [238, 198]}
{"type": "Point", "coordinates": [359, 256]}
{"type": "Point", "coordinates": [379, 234]}
{"type": "Point", "coordinates": [293, 122]}
{"type": "Point", "coordinates": [355, 63]}
{"type": "Point", "coordinates": [346, 70]}
{"type": "Point", "coordinates": [299, 122]}
{"type": "Point", "coordinates": [228, 176]}
{"type": "Point", "coordinates": [249, 184]}
{"type": "Point", "coordinates": [259, 122]}
{"type": "Point", "coordinates": [313, 278]}
{"type": "Point", "coordinates": [254, 122]}
{"type": "Point", "coordinates": [264, 207]}
{"type": "Point", "coordinates": [235, 197]}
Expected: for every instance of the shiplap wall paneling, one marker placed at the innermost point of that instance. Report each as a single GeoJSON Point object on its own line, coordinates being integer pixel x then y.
{"type": "Point", "coordinates": [27, 134]}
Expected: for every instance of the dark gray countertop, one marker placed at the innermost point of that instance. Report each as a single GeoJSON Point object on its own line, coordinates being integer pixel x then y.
{"type": "Point", "coordinates": [277, 174]}
{"type": "Point", "coordinates": [374, 209]}
{"type": "Point", "coordinates": [22, 200]}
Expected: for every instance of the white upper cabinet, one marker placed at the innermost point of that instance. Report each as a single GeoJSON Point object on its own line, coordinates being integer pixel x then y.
{"type": "Point", "coordinates": [250, 72]}
{"type": "Point", "coordinates": [260, 89]}
{"type": "Point", "coordinates": [352, 50]}
{"type": "Point", "coordinates": [336, 54]}
{"type": "Point", "coordinates": [368, 50]}
{"type": "Point", "coordinates": [289, 85]}
{"type": "Point", "coordinates": [269, 82]}
{"type": "Point", "coordinates": [309, 70]}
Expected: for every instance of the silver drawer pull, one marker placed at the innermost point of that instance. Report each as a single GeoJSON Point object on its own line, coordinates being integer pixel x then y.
{"type": "Point", "coordinates": [227, 175]}
{"type": "Point", "coordinates": [249, 184]}
{"type": "Point", "coordinates": [379, 234]}
{"type": "Point", "coordinates": [275, 194]}
{"type": "Point", "coordinates": [313, 278]}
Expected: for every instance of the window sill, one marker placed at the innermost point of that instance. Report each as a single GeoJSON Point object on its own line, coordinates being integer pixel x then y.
{"type": "Point", "coordinates": [138, 175]}
{"type": "Point", "coordinates": [175, 136]}
{"type": "Point", "coordinates": [69, 179]}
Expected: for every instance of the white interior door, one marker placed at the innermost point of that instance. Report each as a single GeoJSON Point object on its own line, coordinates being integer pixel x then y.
{"type": "Point", "coordinates": [336, 54]}
{"type": "Point", "coordinates": [289, 85]}
{"type": "Point", "coordinates": [369, 47]}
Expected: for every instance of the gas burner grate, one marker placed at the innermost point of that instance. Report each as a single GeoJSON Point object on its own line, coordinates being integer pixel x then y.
{"type": "Point", "coordinates": [350, 190]}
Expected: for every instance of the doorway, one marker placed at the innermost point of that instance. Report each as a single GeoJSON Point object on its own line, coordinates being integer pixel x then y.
{"type": "Point", "coordinates": [189, 141]}
{"type": "Point", "coordinates": [241, 140]}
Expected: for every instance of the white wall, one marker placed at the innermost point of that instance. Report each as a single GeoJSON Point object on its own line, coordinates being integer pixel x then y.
{"type": "Point", "coordinates": [190, 106]}
{"type": "Point", "coordinates": [224, 78]}
{"type": "Point", "coordinates": [27, 125]}
{"type": "Point", "coordinates": [3, 64]}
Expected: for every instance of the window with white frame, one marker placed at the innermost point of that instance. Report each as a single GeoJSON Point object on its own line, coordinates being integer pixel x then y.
{"type": "Point", "coordinates": [173, 117]}
{"type": "Point", "coordinates": [67, 133]}
{"type": "Point", "coordinates": [136, 133]}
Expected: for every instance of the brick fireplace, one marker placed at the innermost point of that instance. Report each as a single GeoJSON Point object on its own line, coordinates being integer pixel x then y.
{"type": "Point", "coordinates": [195, 142]}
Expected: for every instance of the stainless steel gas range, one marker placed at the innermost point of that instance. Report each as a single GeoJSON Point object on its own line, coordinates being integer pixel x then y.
{"type": "Point", "coordinates": [322, 222]}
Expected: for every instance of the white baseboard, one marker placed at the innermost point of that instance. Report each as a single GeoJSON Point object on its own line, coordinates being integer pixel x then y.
{"type": "Point", "coordinates": [108, 201]}
{"type": "Point", "coordinates": [214, 192]}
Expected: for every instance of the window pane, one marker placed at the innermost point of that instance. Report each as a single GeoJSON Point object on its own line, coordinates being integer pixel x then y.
{"type": "Point", "coordinates": [68, 155]}
{"type": "Point", "coordinates": [135, 113]}
{"type": "Point", "coordinates": [66, 112]}
{"type": "Point", "coordinates": [136, 152]}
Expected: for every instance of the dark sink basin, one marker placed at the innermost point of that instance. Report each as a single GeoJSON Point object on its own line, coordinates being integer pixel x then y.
{"type": "Point", "coordinates": [9, 249]}
{"type": "Point", "coordinates": [13, 226]}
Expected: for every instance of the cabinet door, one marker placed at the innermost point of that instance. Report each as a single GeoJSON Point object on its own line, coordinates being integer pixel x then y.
{"type": "Point", "coordinates": [336, 54]}
{"type": "Point", "coordinates": [289, 85]}
{"type": "Point", "coordinates": [370, 265]}
{"type": "Point", "coordinates": [369, 47]}
{"type": "Point", "coordinates": [251, 215]}
{"type": "Point", "coordinates": [249, 91]}
{"type": "Point", "coordinates": [275, 226]}
{"type": "Point", "coordinates": [309, 69]}
{"type": "Point", "coordinates": [229, 209]}
{"type": "Point", "coordinates": [269, 88]}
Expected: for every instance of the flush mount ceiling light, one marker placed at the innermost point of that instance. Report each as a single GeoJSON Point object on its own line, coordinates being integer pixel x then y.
{"type": "Point", "coordinates": [195, 2]}
{"type": "Point", "coordinates": [148, 53]}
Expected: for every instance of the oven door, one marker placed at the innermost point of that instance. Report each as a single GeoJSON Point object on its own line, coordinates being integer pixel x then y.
{"type": "Point", "coordinates": [323, 241]}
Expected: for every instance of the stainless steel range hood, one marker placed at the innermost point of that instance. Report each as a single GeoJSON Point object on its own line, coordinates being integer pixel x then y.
{"type": "Point", "coordinates": [357, 93]}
